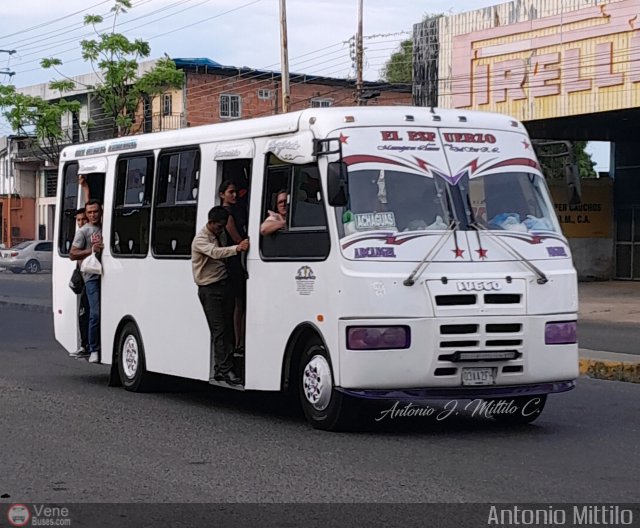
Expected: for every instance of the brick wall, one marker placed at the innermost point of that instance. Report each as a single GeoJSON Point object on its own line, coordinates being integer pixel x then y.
{"type": "Point", "coordinates": [204, 91]}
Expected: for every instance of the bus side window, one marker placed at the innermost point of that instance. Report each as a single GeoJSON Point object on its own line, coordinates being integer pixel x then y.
{"type": "Point", "coordinates": [132, 205]}
{"type": "Point", "coordinates": [305, 236]}
{"type": "Point", "coordinates": [175, 203]}
{"type": "Point", "coordinates": [67, 207]}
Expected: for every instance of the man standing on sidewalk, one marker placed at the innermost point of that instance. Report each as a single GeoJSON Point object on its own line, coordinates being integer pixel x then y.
{"type": "Point", "coordinates": [208, 252]}
{"type": "Point", "coordinates": [88, 240]}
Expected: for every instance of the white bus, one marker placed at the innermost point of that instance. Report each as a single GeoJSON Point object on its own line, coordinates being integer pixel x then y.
{"type": "Point", "coordinates": [422, 258]}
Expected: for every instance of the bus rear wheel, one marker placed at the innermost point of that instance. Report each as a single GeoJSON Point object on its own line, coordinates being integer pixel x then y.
{"type": "Point", "coordinates": [324, 407]}
{"type": "Point", "coordinates": [525, 409]}
{"type": "Point", "coordinates": [131, 360]}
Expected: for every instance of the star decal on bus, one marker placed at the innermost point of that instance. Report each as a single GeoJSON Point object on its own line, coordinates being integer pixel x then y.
{"type": "Point", "coordinates": [482, 253]}
{"type": "Point", "coordinates": [459, 252]}
{"type": "Point", "coordinates": [343, 138]}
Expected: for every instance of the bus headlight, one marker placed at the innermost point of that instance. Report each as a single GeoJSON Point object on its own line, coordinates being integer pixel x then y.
{"type": "Point", "coordinates": [378, 337]}
{"type": "Point", "coordinates": [564, 333]}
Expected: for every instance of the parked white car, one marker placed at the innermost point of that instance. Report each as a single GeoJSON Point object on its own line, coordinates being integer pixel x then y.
{"type": "Point", "coordinates": [31, 256]}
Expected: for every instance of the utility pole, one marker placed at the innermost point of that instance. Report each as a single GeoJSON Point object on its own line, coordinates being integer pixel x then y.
{"type": "Point", "coordinates": [359, 54]}
{"type": "Point", "coordinates": [284, 57]}
{"type": "Point", "coordinates": [6, 71]}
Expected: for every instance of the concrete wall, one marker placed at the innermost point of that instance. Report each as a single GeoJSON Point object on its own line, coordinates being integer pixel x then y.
{"type": "Point", "coordinates": [23, 212]}
{"type": "Point", "coordinates": [25, 182]}
{"type": "Point", "coordinates": [593, 258]}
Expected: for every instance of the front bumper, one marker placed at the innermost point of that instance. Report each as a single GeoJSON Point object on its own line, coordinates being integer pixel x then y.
{"type": "Point", "coordinates": [430, 359]}
{"type": "Point", "coordinates": [461, 393]}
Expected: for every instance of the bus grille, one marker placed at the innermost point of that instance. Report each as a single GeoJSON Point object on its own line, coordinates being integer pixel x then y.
{"type": "Point", "coordinates": [462, 344]}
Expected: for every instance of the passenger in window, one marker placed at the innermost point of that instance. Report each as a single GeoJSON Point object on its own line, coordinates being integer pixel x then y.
{"type": "Point", "coordinates": [208, 255]}
{"type": "Point", "coordinates": [276, 221]}
{"type": "Point", "coordinates": [240, 179]}
{"type": "Point", "coordinates": [237, 230]}
{"type": "Point", "coordinates": [83, 305]}
{"type": "Point", "coordinates": [88, 240]}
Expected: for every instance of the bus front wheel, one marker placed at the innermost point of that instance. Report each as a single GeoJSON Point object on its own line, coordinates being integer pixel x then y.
{"type": "Point", "coordinates": [131, 361]}
{"type": "Point", "coordinates": [324, 407]}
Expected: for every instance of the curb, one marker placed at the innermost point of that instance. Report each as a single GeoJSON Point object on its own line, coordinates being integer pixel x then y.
{"type": "Point", "coordinates": [610, 370]}
{"type": "Point", "coordinates": [27, 307]}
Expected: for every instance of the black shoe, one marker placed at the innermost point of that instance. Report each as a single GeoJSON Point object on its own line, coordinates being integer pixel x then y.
{"type": "Point", "coordinates": [229, 377]}
{"type": "Point", "coordinates": [233, 379]}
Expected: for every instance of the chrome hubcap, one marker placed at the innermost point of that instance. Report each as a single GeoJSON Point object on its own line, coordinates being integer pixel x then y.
{"type": "Point", "coordinates": [130, 356]}
{"type": "Point", "coordinates": [317, 383]}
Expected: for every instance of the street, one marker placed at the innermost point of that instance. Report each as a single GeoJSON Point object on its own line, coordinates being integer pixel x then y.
{"type": "Point", "coordinates": [19, 287]}
{"type": "Point", "coordinates": [68, 437]}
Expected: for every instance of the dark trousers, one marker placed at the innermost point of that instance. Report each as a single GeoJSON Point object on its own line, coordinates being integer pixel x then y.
{"type": "Point", "coordinates": [83, 319]}
{"type": "Point", "coordinates": [217, 301]}
{"type": "Point", "coordinates": [92, 288]}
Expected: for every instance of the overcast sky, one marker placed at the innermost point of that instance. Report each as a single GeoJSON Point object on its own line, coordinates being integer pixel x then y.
{"type": "Point", "coordinates": [231, 32]}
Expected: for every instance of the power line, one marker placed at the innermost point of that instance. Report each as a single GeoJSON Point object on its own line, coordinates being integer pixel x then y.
{"type": "Point", "coordinates": [43, 24]}
{"type": "Point", "coordinates": [74, 39]}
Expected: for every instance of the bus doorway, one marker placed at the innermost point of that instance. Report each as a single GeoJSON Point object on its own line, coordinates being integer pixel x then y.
{"type": "Point", "coordinates": [234, 185]}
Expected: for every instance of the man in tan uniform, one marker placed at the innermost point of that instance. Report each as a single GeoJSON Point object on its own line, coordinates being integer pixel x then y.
{"type": "Point", "coordinates": [208, 251]}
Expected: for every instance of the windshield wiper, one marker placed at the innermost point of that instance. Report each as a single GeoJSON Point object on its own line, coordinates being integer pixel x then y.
{"type": "Point", "coordinates": [541, 277]}
{"type": "Point", "coordinates": [446, 205]}
{"type": "Point", "coordinates": [424, 263]}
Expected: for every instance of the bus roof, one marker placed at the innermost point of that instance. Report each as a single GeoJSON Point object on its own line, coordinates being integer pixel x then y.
{"type": "Point", "coordinates": [320, 120]}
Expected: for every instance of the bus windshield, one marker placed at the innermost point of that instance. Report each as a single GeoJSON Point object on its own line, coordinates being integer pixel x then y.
{"type": "Point", "coordinates": [392, 200]}
{"type": "Point", "coordinates": [512, 201]}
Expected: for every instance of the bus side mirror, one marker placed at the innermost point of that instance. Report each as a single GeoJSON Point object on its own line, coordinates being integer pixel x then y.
{"type": "Point", "coordinates": [572, 181]}
{"type": "Point", "coordinates": [337, 184]}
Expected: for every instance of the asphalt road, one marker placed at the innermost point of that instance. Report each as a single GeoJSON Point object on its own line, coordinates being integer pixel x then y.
{"type": "Point", "coordinates": [592, 335]}
{"type": "Point", "coordinates": [67, 437]}
{"type": "Point", "coordinates": [611, 337]}
{"type": "Point", "coordinates": [23, 286]}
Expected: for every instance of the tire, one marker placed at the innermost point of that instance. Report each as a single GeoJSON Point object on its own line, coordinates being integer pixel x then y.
{"type": "Point", "coordinates": [131, 360]}
{"type": "Point", "coordinates": [33, 266]}
{"type": "Point", "coordinates": [527, 409]}
{"type": "Point", "coordinates": [324, 407]}
{"type": "Point", "coordinates": [16, 270]}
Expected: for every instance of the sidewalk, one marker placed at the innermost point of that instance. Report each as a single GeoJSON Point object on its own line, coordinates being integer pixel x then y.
{"type": "Point", "coordinates": [613, 302]}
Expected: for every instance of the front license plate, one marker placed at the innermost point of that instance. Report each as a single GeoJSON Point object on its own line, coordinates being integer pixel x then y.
{"type": "Point", "coordinates": [478, 376]}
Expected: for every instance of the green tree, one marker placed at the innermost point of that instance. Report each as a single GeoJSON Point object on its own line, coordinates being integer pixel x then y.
{"type": "Point", "coordinates": [399, 67]}
{"type": "Point", "coordinates": [41, 120]}
{"type": "Point", "coordinates": [114, 58]}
